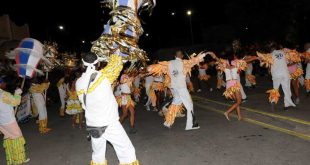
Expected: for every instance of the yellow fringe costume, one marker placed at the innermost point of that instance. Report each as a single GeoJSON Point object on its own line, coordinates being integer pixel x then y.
{"type": "Point", "coordinates": [204, 77]}
{"type": "Point", "coordinates": [15, 151]}
{"type": "Point", "coordinates": [229, 93]}
{"type": "Point", "coordinates": [307, 84]}
{"type": "Point", "coordinates": [274, 95]}
{"type": "Point", "coordinates": [73, 104]}
{"type": "Point", "coordinates": [172, 112]}
{"type": "Point", "coordinates": [297, 73]}
{"type": "Point", "coordinates": [37, 93]}
{"type": "Point", "coordinates": [43, 127]}
{"type": "Point", "coordinates": [251, 78]}
{"type": "Point", "coordinates": [93, 163]}
{"type": "Point", "coordinates": [130, 102]}
{"type": "Point", "coordinates": [137, 91]}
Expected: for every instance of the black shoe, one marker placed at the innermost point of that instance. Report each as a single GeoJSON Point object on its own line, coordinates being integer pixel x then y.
{"type": "Point", "coordinates": [132, 131]}
{"type": "Point", "coordinates": [244, 100]}
{"type": "Point", "coordinates": [273, 107]}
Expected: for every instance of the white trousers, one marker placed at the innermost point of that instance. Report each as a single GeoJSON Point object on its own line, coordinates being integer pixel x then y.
{"type": "Point", "coordinates": [243, 95]}
{"type": "Point", "coordinates": [285, 83]}
{"type": "Point", "coordinates": [117, 136]}
{"type": "Point", "coordinates": [248, 71]}
{"type": "Point", "coordinates": [181, 95]}
{"type": "Point", "coordinates": [147, 92]}
{"type": "Point", "coordinates": [62, 95]}
{"type": "Point", "coordinates": [40, 104]}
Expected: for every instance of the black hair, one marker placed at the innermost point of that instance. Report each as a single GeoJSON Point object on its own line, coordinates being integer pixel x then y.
{"type": "Point", "coordinates": [90, 57]}
{"type": "Point", "coordinates": [11, 83]}
{"type": "Point", "coordinates": [229, 54]}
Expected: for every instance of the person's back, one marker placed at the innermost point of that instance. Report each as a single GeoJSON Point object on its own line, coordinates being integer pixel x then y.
{"type": "Point", "coordinates": [101, 107]}
{"type": "Point", "coordinates": [279, 67]}
{"type": "Point", "coordinates": [177, 75]}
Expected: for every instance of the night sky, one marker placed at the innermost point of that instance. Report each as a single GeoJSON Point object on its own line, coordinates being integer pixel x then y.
{"type": "Point", "coordinates": [220, 21]}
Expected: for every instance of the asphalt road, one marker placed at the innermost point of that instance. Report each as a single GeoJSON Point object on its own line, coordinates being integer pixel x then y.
{"type": "Point", "coordinates": [218, 142]}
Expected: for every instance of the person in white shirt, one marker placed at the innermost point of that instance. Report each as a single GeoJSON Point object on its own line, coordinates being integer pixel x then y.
{"type": "Point", "coordinates": [61, 86]}
{"type": "Point", "coordinates": [280, 75]}
{"type": "Point", "coordinates": [101, 110]}
{"type": "Point", "coordinates": [177, 70]}
{"type": "Point", "coordinates": [148, 82]}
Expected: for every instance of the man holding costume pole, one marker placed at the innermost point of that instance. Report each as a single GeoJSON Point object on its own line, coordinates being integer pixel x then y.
{"type": "Point", "coordinates": [101, 110]}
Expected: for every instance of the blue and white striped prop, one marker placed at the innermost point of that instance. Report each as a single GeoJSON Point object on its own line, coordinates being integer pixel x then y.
{"type": "Point", "coordinates": [27, 56]}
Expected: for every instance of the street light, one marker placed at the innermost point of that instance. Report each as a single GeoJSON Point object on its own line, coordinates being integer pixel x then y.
{"type": "Point", "coordinates": [147, 34]}
{"type": "Point", "coordinates": [60, 27]}
{"type": "Point", "coordinates": [83, 42]}
{"type": "Point", "coordinates": [173, 13]}
{"type": "Point", "coordinates": [189, 14]}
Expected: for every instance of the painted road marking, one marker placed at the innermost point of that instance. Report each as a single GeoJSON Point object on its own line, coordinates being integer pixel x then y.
{"type": "Point", "coordinates": [252, 121]}
{"type": "Point", "coordinates": [260, 112]}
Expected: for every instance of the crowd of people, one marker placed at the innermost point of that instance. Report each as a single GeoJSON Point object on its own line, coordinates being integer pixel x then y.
{"type": "Point", "coordinates": [163, 86]}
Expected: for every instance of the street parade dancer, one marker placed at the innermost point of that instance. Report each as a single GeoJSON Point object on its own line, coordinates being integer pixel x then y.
{"type": "Point", "coordinates": [306, 56]}
{"type": "Point", "coordinates": [147, 85]}
{"type": "Point", "coordinates": [202, 75]}
{"type": "Point", "coordinates": [73, 106]}
{"type": "Point", "coordinates": [101, 110]}
{"type": "Point", "coordinates": [157, 92]}
{"type": "Point", "coordinates": [13, 141]}
{"type": "Point", "coordinates": [250, 80]}
{"type": "Point", "coordinates": [177, 70]}
{"type": "Point", "coordinates": [61, 86]}
{"type": "Point", "coordinates": [231, 67]}
{"type": "Point", "coordinates": [37, 92]}
{"type": "Point", "coordinates": [295, 72]}
{"type": "Point", "coordinates": [278, 62]}
{"type": "Point", "coordinates": [127, 102]}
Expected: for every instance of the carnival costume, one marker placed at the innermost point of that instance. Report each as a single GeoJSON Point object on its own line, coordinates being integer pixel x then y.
{"type": "Point", "coordinates": [40, 103]}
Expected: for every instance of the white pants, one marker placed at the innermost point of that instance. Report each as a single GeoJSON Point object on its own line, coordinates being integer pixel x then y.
{"type": "Point", "coordinates": [40, 104]}
{"type": "Point", "coordinates": [248, 71]}
{"type": "Point", "coordinates": [181, 95]}
{"type": "Point", "coordinates": [243, 95]}
{"type": "Point", "coordinates": [62, 95]}
{"type": "Point", "coordinates": [147, 92]}
{"type": "Point", "coordinates": [117, 136]}
{"type": "Point", "coordinates": [285, 83]}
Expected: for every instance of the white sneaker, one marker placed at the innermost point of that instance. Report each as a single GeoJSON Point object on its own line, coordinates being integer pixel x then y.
{"type": "Point", "coordinates": [167, 125]}
{"type": "Point", "coordinates": [199, 90]}
{"type": "Point", "coordinates": [193, 128]}
{"type": "Point", "coordinates": [211, 89]}
{"type": "Point", "coordinates": [148, 108]}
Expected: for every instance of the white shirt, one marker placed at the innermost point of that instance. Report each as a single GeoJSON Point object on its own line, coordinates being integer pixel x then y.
{"type": "Point", "coordinates": [6, 112]}
{"type": "Point", "coordinates": [101, 107]}
{"type": "Point", "coordinates": [279, 67]}
{"type": "Point", "coordinates": [231, 74]}
{"type": "Point", "coordinates": [177, 75]}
